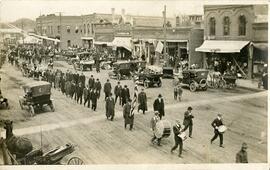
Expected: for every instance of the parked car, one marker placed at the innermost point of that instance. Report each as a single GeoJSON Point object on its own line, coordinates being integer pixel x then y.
{"type": "Point", "coordinates": [194, 79]}
{"type": "Point", "coordinates": [148, 78]}
{"type": "Point", "coordinates": [167, 72]}
{"type": "Point", "coordinates": [37, 95]}
{"type": "Point", "coordinates": [126, 69]}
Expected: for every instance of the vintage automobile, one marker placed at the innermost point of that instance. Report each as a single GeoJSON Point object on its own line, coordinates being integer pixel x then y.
{"type": "Point", "coordinates": [148, 78]}
{"type": "Point", "coordinates": [167, 72]}
{"type": "Point", "coordinates": [69, 55]}
{"type": "Point", "coordinates": [37, 95]}
{"type": "Point", "coordinates": [83, 61]}
{"type": "Point", "coordinates": [194, 79]}
{"type": "Point", "coordinates": [126, 69]}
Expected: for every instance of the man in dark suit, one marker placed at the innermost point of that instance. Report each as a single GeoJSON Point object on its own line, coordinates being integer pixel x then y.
{"type": "Point", "coordinates": [79, 93]}
{"type": "Point", "coordinates": [216, 123]}
{"type": "Point", "coordinates": [159, 106]}
{"type": "Point", "coordinates": [142, 100]}
{"type": "Point", "coordinates": [82, 79]}
{"type": "Point", "coordinates": [110, 105]}
{"type": "Point", "coordinates": [177, 140]}
{"type": "Point", "coordinates": [98, 87]}
{"type": "Point", "coordinates": [86, 96]}
{"type": "Point", "coordinates": [76, 77]}
{"type": "Point", "coordinates": [125, 95]}
{"type": "Point", "coordinates": [241, 156]}
{"type": "Point", "coordinates": [107, 88]}
{"type": "Point", "coordinates": [117, 92]}
{"type": "Point", "coordinates": [91, 82]}
{"type": "Point", "coordinates": [188, 122]}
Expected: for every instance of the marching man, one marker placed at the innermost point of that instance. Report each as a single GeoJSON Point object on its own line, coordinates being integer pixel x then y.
{"type": "Point", "coordinates": [177, 139]}
{"type": "Point", "coordinates": [153, 122]}
{"type": "Point", "coordinates": [216, 124]}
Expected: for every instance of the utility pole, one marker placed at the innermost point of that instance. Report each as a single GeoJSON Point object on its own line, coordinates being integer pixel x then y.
{"type": "Point", "coordinates": [165, 37]}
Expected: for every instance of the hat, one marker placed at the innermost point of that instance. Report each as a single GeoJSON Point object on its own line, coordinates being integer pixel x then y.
{"type": "Point", "coordinates": [189, 108]}
{"type": "Point", "coordinates": [156, 112]}
{"type": "Point", "coordinates": [159, 95]}
{"type": "Point", "coordinates": [177, 121]}
{"type": "Point", "coordinates": [244, 145]}
{"type": "Point", "coordinates": [219, 115]}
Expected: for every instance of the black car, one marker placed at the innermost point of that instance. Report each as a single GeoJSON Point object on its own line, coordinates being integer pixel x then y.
{"type": "Point", "coordinates": [194, 79]}
{"type": "Point", "coordinates": [148, 78]}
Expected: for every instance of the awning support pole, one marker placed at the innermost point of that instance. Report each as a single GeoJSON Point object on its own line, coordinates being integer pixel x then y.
{"type": "Point", "coordinates": [239, 67]}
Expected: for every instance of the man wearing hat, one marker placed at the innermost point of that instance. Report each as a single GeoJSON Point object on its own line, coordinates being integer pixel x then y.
{"type": "Point", "coordinates": [117, 92]}
{"type": "Point", "coordinates": [142, 100]}
{"type": "Point", "coordinates": [188, 122]}
{"type": "Point", "coordinates": [241, 156]}
{"type": "Point", "coordinates": [110, 106]}
{"type": "Point", "coordinates": [159, 106]}
{"type": "Point", "coordinates": [128, 114]}
{"type": "Point", "coordinates": [153, 124]}
{"type": "Point", "coordinates": [177, 139]}
{"type": "Point", "coordinates": [216, 123]}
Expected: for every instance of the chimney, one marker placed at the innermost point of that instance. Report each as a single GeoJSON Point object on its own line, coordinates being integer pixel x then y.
{"type": "Point", "coordinates": [177, 21]}
{"type": "Point", "coordinates": [113, 15]}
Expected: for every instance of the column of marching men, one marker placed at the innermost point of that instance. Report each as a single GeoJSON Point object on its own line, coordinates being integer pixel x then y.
{"type": "Point", "coordinates": [87, 92]}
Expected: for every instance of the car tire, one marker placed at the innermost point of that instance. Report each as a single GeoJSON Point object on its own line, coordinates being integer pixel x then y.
{"type": "Point", "coordinates": [192, 87]}
{"type": "Point", "coordinates": [146, 85]}
{"type": "Point", "coordinates": [222, 83]}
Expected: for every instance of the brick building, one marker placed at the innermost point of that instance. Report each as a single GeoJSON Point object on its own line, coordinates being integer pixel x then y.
{"type": "Point", "coordinates": [236, 33]}
{"type": "Point", "coordinates": [68, 29]}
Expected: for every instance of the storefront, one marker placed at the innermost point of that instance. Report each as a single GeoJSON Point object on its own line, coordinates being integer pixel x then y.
{"type": "Point", "coordinates": [228, 56]}
{"type": "Point", "coordinates": [87, 42]}
{"type": "Point", "coordinates": [122, 47]}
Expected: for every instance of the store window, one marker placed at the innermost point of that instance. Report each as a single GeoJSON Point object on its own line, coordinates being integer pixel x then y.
{"type": "Point", "coordinates": [242, 25]}
{"type": "Point", "coordinates": [212, 25]}
{"type": "Point", "coordinates": [226, 26]}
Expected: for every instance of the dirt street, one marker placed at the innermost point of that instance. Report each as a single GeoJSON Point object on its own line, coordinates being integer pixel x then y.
{"type": "Point", "coordinates": [100, 141]}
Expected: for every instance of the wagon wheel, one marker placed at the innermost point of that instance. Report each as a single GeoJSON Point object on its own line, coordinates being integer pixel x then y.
{"type": "Point", "coordinates": [32, 110]}
{"type": "Point", "coordinates": [222, 83]}
{"type": "Point", "coordinates": [192, 87]}
{"type": "Point", "coordinates": [75, 161]}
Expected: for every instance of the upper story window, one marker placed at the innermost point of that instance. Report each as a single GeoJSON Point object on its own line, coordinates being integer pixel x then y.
{"type": "Point", "coordinates": [58, 29]}
{"type": "Point", "coordinates": [76, 29]}
{"type": "Point", "coordinates": [212, 26]}
{"type": "Point", "coordinates": [226, 26]}
{"type": "Point", "coordinates": [68, 29]}
{"type": "Point", "coordinates": [242, 25]}
{"type": "Point", "coordinates": [88, 29]}
{"type": "Point", "coordinates": [84, 29]}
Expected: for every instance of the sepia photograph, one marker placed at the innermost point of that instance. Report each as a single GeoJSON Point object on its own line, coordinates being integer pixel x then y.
{"type": "Point", "coordinates": [144, 82]}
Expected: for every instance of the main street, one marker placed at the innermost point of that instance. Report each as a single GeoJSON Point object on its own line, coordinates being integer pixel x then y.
{"type": "Point", "coordinates": [100, 141]}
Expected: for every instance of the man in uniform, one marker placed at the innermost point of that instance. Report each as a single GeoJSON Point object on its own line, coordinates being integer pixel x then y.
{"type": "Point", "coordinates": [241, 156]}
{"type": "Point", "coordinates": [128, 114]}
{"type": "Point", "coordinates": [153, 123]}
{"type": "Point", "coordinates": [177, 139]}
{"type": "Point", "coordinates": [142, 100]}
{"type": "Point", "coordinates": [188, 122]}
{"type": "Point", "coordinates": [98, 87]}
{"type": "Point", "coordinates": [91, 82]}
{"type": "Point", "coordinates": [159, 106]}
{"type": "Point", "coordinates": [117, 92]}
{"type": "Point", "coordinates": [110, 105]}
{"type": "Point", "coordinates": [125, 95]}
{"type": "Point", "coordinates": [216, 123]}
{"type": "Point", "coordinates": [107, 88]}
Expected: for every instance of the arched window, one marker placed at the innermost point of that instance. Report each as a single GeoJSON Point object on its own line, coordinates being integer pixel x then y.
{"type": "Point", "coordinates": [226, 26]}
{"type": "Point", "coordinates": [242, 25]}
{"type": "Point", "coordinates": [88, 28]}
{"type": "Point", "coordinates": [212, 26]}
{"type": "Point", "coordinates": [84, 28]}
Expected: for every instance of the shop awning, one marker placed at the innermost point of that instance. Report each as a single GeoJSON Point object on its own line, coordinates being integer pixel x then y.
{"type": "Point", "coordinates": [261, 46]}
{"type": "Point", "coordinates": [30, 40]}
{"type": "Point", "coordinates": [122, 42]}
{"type": "Point", "coordinates": [175, 41]}
{"type": "Point", "coordinates": [44, 37]}
{"type": "Point", "coordinates": [218, 46]}
{"type": "Point", "coordinates": [103, 43]}
{"type": "Point", "coordinates": [87, 38]}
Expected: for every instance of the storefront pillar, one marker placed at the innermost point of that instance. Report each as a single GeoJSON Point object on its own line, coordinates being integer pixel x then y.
{"type": "Point", "coordinates": [250, 60]}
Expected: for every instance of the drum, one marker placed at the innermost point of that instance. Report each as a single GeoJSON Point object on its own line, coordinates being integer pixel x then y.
{"type": "Point", "coordinates": [183, 136]}
{"type": "Point", "coordinates": [163, 129]}
{"type": "Point", "coordinates": [222, 129]}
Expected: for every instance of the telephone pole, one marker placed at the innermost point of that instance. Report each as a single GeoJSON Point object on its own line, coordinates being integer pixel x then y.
{"type": "Point", "coordinates": [165, 37]}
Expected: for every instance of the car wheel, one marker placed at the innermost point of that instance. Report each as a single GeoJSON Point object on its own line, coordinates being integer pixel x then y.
{"type": "Point", "coordinates": [222, 83]}
{"type": "Point", "coordinates": [192, 87]}
{"type": "Point", "coordinates": [146, 85]}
